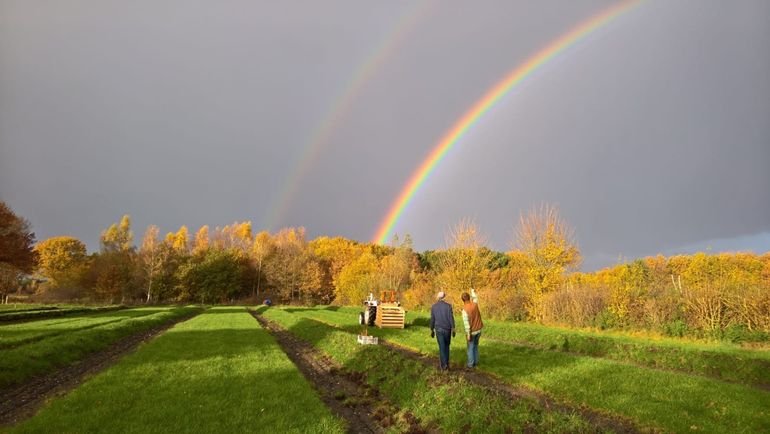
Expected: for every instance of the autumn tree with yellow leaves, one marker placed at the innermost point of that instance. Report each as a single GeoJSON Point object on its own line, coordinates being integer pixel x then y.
{"type": "Point", "coordinates": [550, 246]}
{"type": "Point", "coordinates": [63, 261]}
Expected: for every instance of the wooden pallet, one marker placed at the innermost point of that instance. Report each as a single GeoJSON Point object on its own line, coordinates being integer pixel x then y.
{"type": "Point", "coordinates": [390, 316]}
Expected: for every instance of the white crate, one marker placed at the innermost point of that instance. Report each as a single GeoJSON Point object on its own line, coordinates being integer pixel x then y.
{"type": "Point", "coordinates": [367, 340]}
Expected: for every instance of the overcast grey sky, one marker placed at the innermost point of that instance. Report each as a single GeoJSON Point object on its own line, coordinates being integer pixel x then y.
{"type": "Point", "coordinates": [652, 135]}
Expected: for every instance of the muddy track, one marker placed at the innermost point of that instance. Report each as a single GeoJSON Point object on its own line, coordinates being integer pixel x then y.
{"type": "Point", "coordinates": [600, 420]}
{"type": "Point", "coordinates": [22, 401]}
{"type": "Point", "coordinates": [346, 394]}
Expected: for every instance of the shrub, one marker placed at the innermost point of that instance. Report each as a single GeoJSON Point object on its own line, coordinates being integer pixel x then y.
{"type": "Point", "coordinates": [676, 328]}
{"type": "Point", "coordinates": [574, 305]}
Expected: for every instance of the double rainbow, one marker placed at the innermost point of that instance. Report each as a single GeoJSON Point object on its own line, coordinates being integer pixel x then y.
{"type": "Point", "coordinates": [482, 106]}
{"type": "Point", "coordinates": [335, 116]}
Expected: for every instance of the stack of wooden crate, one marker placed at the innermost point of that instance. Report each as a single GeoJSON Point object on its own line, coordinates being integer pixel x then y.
{"type": "Point", "coordinates": [390, 316]}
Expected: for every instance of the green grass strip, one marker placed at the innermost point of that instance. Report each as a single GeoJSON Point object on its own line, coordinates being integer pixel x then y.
{"type": "Point", "coordinates": [218, 372]}
{"type": "Point", "coordinates": [9, 308]}
{"type": "Point", "coordinates": [722, 361]}
{"type": "Point", "coordinates": [446, 403]}
{"type": "Point", "coordinates": [53, 313]}
{"type": "Point", "coordinates": [672, 401]}
{"type": "Point", "coordinates": [20, 363]}
{"type": "Point", "coordinates": [13, 335]}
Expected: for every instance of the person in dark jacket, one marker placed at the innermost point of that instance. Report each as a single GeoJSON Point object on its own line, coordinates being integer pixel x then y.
{"type": "Point", "coordinates": [442, 326]}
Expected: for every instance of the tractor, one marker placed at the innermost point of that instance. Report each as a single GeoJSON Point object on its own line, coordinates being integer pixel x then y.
{"type": "Point", "coordinates": [384, 313]}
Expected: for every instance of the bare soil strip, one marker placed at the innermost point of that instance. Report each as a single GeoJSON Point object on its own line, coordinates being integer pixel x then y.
{"type": "Point", "coordinates": [22, 401]}
{"type": "Point", "coordinates": [347, 395]}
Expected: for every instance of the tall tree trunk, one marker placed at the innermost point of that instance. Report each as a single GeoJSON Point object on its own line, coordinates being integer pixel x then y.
{"type": "Point", "coordinates": [259, 277]}
{"type": "Point", "coordinates": [149, 291]}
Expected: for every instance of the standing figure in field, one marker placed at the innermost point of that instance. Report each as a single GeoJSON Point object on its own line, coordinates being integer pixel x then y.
{"type": "Point", "coordinates": [442, 323]}
{"type": "Point", "coordinates": [473, 325]}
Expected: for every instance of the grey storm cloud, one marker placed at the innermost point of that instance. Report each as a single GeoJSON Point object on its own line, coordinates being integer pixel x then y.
{"type": "Point", "coordinates": [651, 134]}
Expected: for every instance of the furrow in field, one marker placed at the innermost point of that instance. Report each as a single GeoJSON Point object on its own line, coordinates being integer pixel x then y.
{"type": "Point", "coordinates": [345, 395]}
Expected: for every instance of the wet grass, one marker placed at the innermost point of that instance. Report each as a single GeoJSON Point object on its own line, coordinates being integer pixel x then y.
{"type": "Point", "coordinates": [218, 372]}
{"type": "Point", "coordinates": [672, 401]}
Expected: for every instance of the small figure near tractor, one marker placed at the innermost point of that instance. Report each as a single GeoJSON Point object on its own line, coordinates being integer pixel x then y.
{"type": "Point", "coordinates": [383, 313]}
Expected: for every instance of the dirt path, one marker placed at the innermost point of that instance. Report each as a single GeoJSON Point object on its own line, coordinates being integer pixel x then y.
{"type": "Point", "coordinates": [346, 395]}
{"type": "Point", "coordinates": [22, 401]}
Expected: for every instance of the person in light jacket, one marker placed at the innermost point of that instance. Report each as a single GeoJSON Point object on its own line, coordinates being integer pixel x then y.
{"type": "Point", "coordinates": [473, 325]}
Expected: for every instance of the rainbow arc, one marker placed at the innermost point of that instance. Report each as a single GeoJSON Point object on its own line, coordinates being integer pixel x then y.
{"type": "Point", "coordinates": [483, 105]}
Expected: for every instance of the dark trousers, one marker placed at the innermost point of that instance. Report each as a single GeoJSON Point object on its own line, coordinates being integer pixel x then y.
{"type": "Point", "coordinates": [473, 351]}
{"type": "Point", "coordinates": [444, 338]}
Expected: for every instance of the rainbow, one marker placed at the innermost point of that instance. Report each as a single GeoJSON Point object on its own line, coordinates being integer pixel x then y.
{"type": "Point", "coordinates": [482, 106]}
{"type": "Point", "coordinates": [342, 105]}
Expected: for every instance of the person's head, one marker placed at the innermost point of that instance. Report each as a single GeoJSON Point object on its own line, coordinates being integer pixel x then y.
{"type": "Point", "coordinates": [440, 295]}
{"type": "Point", "coordinates": [466, 297]}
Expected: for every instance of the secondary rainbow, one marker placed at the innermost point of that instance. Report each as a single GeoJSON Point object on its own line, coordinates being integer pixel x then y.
{"type": "Point", "coordinates": [458, 130]}
{"type": "Point", "coordinates": [334, 117]}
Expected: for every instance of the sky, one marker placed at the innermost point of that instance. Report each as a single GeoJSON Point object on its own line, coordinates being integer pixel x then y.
{"type": "Point", "coordinates": [652, 134]}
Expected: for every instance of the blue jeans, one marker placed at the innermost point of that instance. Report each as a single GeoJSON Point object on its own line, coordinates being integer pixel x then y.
{"type": "Point", "coordinates": [473, 350]}
{"type": "Point", "coordinates": [444, 338]}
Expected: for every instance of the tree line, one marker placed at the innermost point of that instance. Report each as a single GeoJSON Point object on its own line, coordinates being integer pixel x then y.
{"type": "Point", "coordinates": [722, 295]}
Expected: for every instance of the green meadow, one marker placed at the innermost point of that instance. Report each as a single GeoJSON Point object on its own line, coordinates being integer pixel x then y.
{"type": "Point", "coordinates": [664, 399]}
{"type": "Point", "coordinates": [218, 372]}
{"type": "Point", "coordinates": [36, 347]}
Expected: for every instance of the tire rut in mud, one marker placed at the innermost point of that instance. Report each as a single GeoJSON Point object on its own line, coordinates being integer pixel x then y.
{"type": "Point", "coordinates": [22, 401]}
{"type": "Point", "coordinates": [346, 394]}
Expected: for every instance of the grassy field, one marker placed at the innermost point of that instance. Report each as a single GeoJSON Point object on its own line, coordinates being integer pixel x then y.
{"type": "Point", "coordinates": [33, 354]}
{"type": "Point", "coordinates": [719, 360]}
{"type": "Point", "coordinates": [13, 335]}
{"type": "Point", "coordinates": [218, 372]}
{"type": "Point", "coordinates": [671, 401]}
{"type": "Point", "coordinates": [449, 404]}
{"type": "Point", "coordinates": [19, 307]}
{"type": "Point", "coordinates": [34, 312]}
